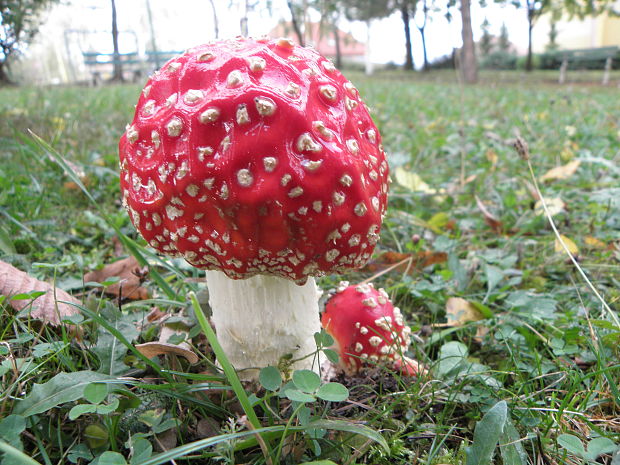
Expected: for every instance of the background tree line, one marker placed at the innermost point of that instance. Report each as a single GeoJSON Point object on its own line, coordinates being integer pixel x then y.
{"type": "Point", "coordinates": [20, 20]}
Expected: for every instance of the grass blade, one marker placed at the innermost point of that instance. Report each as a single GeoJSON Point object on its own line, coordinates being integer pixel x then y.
{"type": "Point", "coordinates": [196, 446]}
{"type": "Point", "coordinates": [131, 245]}
{"type": "Point", "coordinates": [227, 367]}
{"type": "Point", "coordinates": [119, 336]}
{"type": "Point", "coordinates": [341, 425]}
{"type": "Point", "coordinates": [16, 456]}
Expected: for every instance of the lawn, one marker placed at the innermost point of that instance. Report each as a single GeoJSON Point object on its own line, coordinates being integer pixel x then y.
{"type": "Point", "coordinates": [508, 272]}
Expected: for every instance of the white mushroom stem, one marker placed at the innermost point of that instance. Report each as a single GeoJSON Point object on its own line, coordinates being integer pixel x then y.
{"type": "Point", "coordinates": [261, 319]}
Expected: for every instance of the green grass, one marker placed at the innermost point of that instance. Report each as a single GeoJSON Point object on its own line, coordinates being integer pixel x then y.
{"type": "Point", "coordinates": [547, 346]}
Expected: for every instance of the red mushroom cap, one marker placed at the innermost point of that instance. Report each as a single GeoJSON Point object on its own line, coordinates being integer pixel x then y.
{"type": "Point", "coordinates": [255, 157]}
{"type": "Point", "coordinates": [366, 327]}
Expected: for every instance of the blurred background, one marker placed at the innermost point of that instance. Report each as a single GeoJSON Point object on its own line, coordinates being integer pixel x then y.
{"type": "Point", "coordinates": [93, 41]}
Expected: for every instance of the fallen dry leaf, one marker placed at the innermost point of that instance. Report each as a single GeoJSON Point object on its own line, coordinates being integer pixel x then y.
{"type": "Point", "coordinates": [49, 307]}
{"type": "Point", "coordinates": [78, 171]}
{"type": "Point", "coordinates": [129, 272]}
{"type": "Point", "coordinates": [532, 190]}
{"type": "Point", "coordinates": [207, 427]}
{"type": "Point", "coordinates": [163, 347]}
{"type": "Point", "coordinates": [166, 440]}
{"type": "Point", "coordinates": [459, 311]}
{"type": "Point", "coordinates": [119, 248]}
{"type": "Point", "coordinates": [555, 205]}
{"type": "Point", "coordinates": [412, 181]}
{"type": "Point", "coordinates": [561, 172]}
{"type": "Point", "coordinates": [153, 349]}
{"type": "Point", "coordinates": [595, 243]}
{"type": "Point", "coordinates": [457, 186]}
{"type": "Point", "coordinates": [469, 179]}
{"type": "Point", "coordinates": [492, 157]}
{"type": "Point", "coordinates": [72, 186]}
{"type": "Point", "coordinates": [407, 262]}
{"type": "Point", "coordinates": [156, 315]}
{"type": "Point", "coordinates": [481, 332]}
{"type": "Point", "coordinates": [570, 245]}
{"type": "Point", "coordinates": [490, 219]}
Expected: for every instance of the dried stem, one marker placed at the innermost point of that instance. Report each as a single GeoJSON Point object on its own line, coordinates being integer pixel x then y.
{"type": "Point", "coordinates": [522, 149]}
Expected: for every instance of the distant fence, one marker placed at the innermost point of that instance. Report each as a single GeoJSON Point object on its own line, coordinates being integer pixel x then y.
{"type": "Point", "coordinates": [600, 58]}
{"type": "Point", "coordinates": [101, 65]}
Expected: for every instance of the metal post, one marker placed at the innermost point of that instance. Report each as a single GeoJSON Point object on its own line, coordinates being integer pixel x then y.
{"type": "Point", "coordinates": [608, 64]}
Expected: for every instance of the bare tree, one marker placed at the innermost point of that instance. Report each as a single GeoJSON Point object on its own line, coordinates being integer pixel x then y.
{"type": "Point", "coordinates": [407, 11]}
{"type": "Point", "coordinates": [537, 8]}
{"type": "Point", "coordinates": [297, 12]}
{"type": "Point", "coordinates": [468, 65]}
{"type": "Point", "coordinates": [19, 23]}
{"type": "Point", "coordinates": [243, 21]}
{"type": "Point", "coordinates": [366, 10]}
{"type": "Point", "coordinates": [330, 11]}
{"type": "Point", "coordinates": [337, 44]}
{"type": "Point", "coordinates": [422, 29]}
{"type": "Point", "coordinates": [216, 25]}
{"type": "Point", "coordinates": [117, 70]}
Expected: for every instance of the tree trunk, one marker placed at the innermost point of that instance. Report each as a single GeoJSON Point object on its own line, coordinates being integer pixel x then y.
{"type": "Point", "coordinates": [422, 30]}
{"type": "Point", "coordinates": [215, 21]}
{"type": "Point", "coordinates": [243, 21]}
{"type": "Point", "coordinates": [423, 35]}
{"type": "Point", "coordinates": [4, 78]}
{"type": "Point", "coordinates": [530, 24]}
{"type": "Point", "coordinates": [469, 68]}
{"type": "Point", "coordinates": [404, 11]}
{"type": "Point", "coordinates": [367, 61]}
{"type": "Point", "coordinates": [295, 22]}
{"type": "Point", "coordinates": [149, 15]}
{"type": "Point", "coordinates": [337, 45]}
{"type": "Point", "coordinates": [117, 73]}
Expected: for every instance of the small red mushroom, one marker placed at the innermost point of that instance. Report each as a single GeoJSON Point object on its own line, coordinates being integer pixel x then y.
{"type": "Point", "coordinates": [368, 329]}
{"type": "Point", "coordinates": [257, 159]}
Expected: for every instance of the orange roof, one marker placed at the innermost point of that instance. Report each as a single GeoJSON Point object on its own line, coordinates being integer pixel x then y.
{"type": "Point", "coordinates": [321, 37]}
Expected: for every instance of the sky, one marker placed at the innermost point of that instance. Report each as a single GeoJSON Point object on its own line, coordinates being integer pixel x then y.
{"type": "Point", "coordinates": [386, 35]}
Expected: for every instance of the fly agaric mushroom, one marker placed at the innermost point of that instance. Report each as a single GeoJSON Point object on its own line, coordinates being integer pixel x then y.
{"type": "Point", "coordinates": [368, 329]}
{"type": "Point", "coordinates": [257, 160]}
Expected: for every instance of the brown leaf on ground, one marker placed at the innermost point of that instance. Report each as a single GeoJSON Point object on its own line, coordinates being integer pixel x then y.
{"type": "Point", "coordinates": [457, 186]}
{"type": "Point", "coordinates": [130, 274]}
{"type": "Point", "coordinates": [166, 440]}
{"type": "Point", "coordinates": [49, 307]}
{"type": "Point", "coordinates": [119, 248]}
{"type": "Point", "coordinates": [492, 157]}
{"type": "Point", "coordinates": [163, 347]}
{"type": "Point", "coordinates": [555, 206]}
{"type": "Point", "coordinates": [569, 243]}
{"type": "Point", "coordinates": [594, 243]}
{"type": "Point", "coordinates": [79, 172]}
{"type": "Point", "coordinates": [496, 225]}
{"type": "Point", "coordinates": [153, 349]}
{"type": "Point", "coordinates": [405, 262]}
{"type": "Point", "coordinates": [156, 315]}
{"type": "Point", "coordinates": [72, 186]}
{"type": "Point", "coordinates": [481, 332]}
{"type": "Point", "coordinates": [459, 311]}
{"type": "Point", "coordinates": [561, 172]}
{"type": "Point", "coordinates": [532, 190]}
{"type": "Point", "coordinates": [207, 427]}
